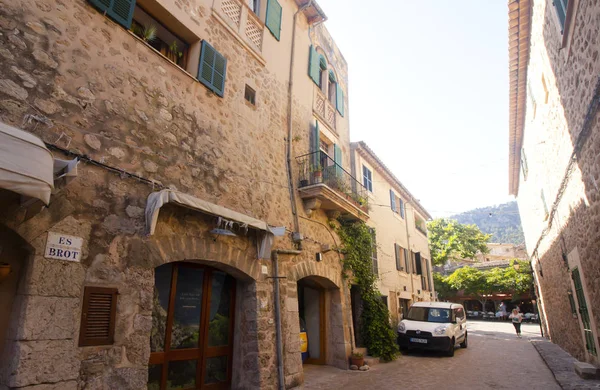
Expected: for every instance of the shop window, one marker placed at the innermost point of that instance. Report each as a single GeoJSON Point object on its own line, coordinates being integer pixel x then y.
{"type": "Point", "coordinates": [159, 37]}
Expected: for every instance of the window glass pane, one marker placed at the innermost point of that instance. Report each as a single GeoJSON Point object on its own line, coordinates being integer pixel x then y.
{"type": "Point", "coordinates": [160, 304]}
{"type": "Point", "coordinates": [188, 306]}
{"type": "Point", "coordinates": [216, 369]}
{"type": "Point", "coordinates": [154, 374]}
{"type": "Point", "coordinates": [182, 374]}
{"type": "Point", "coordinates": [220, 303]}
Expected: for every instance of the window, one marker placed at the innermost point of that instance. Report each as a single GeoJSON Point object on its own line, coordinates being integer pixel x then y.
{"type": "Point", "coordinates": [561, 11]}
{"type": "Point", "coordinates": [367, 179]}
{"type": "Point", "coordinates": [98, 316]}
{"type": "Point", "coordinates": [250, 95]}
{"type": "Point", "coordinates": [322, 73]}
{"type": "Point", "coordinates": [546, 213]}
{"type": "Point", "coordinates": [418, 265]}
{"type": "Point", "coordinates": [212, 69]}
{"type": "Point", "coordinates": [524, 167]}
{"type": "Point", "coordinates": [332, 87]}
{"type": "Point", "coordinates": [420, 224]}
{"type": "Point", "coordinates": [121, 11]}
{"type": "Point", "coordinates": [572, 303]}
{"type": "Point", "coordinates": [254, 5]}
{"type": "Point", "coordinates": [397, 251]}
{"type": "Point", "coordinates": [158, 36]}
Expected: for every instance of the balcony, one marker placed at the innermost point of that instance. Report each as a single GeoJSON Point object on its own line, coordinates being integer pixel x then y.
{"type": "Point", "coordinates": [324, 110]}
{"type": "Point", "coordinates": [326, 185]}
{"type": "Point", "coordinates": [242, 21]}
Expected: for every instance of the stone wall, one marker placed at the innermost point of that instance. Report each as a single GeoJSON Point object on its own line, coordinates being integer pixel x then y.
{"type": "Point", "coordinates": [85, 85]}
{"type": "Point", "coordinates": [562, 76]}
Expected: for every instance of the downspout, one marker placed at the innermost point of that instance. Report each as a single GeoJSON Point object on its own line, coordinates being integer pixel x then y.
{"type": "Point", "coordinates": [278, 342]}
{"type": "Point", "coordinates": [289, 136]}
{"type": "Point", "coordinates": [410, 275]}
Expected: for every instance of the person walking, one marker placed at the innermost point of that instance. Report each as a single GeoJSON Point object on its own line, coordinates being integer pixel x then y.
{"type": "Point", "coordinates": [516, 318]}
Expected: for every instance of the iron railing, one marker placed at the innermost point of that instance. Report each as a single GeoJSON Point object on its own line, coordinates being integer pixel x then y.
{"type": "Point", "coordinates": [319, 168]}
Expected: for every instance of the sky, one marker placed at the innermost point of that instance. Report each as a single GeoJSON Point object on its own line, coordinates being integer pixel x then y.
{"type": "Point", "coordinates": [428, 92]}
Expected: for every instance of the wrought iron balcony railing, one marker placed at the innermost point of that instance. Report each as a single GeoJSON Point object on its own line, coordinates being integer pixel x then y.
{"type": "Point", "coordinates": [318, 168]}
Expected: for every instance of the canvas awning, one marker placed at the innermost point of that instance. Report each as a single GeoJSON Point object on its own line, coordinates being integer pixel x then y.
{"type": "Point", "coordinates": [26, 165]}
{"type": "Point", "coordinates": [158, 199]}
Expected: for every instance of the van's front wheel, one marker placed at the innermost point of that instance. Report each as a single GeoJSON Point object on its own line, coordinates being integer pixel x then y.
{"type": "Point", "coordinates": [450, 351]}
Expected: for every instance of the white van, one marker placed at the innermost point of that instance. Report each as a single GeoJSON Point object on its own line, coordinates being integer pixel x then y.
{"type": "Point", "coordinates": [434, 326]}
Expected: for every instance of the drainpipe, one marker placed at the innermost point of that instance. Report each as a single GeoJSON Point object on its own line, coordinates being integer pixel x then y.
{"type": "Point", "coordinates": [278, 343]}
{"type": "Point", "coordinates": [289, 137]}
{"type": "Point", "coordinates": [410, 275]}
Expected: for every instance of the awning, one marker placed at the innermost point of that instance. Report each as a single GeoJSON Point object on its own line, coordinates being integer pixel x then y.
{"type": "Point", "coordinates": [158, 199]}
{"type": "Point", "coordinates": [26, 165]}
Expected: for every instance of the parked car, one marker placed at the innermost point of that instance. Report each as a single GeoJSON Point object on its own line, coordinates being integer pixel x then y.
{"type": "Point", "coordinates": [433, 326]}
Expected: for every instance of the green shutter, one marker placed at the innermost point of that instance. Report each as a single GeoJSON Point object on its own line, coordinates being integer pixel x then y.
{"type": "Point", "coordinates": [313, 66]}
{"type": "Point", "coordinates": [337, 157]}
{"type": "Point", "coordinates": [340, 99]}
{"type": "Point", "coordinates": [121, 11]}
{"type": "Point", "coordinates": [273, 21]}
{"type": "Point", "coordinates": [316, 146]}
{"type": "Point", "coordinates": [212, 69]}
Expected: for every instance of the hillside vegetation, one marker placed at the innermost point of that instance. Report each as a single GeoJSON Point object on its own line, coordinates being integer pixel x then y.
{"type": "Point", "coordinates": [502, 222]}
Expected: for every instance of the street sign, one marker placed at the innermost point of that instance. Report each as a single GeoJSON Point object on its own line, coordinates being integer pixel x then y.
{"type": "Point", "coordinates": [63, 247]}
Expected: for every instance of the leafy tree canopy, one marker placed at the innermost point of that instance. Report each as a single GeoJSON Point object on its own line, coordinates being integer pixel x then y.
{"type": "Point", "coordinates": [451, 239]}
{"type": "Point", "coordinates": [442, 287]}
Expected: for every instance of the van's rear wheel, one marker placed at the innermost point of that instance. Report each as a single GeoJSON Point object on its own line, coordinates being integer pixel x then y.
{"type": "Point", "coordinates": [464, 343]}
{"type": "Point", "coordinates": [450, 351]}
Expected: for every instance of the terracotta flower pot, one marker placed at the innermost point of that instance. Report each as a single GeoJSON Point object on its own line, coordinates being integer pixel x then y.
{"type": "Point", "coordinates": [357, 361]}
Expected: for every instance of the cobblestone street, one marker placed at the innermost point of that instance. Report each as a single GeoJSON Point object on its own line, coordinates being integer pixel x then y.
{"type": "Point", "coordinates": [495, 359]}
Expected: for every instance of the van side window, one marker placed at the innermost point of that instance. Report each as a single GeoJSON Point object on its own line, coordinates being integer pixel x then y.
{"type": "Point", "coordinates": [460, 313]}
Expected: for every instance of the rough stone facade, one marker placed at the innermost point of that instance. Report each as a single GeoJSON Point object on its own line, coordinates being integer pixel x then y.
{"type": "Point", "coordinates": [558, 192]}
{"type": "Point", "coordinates": [89, 88]}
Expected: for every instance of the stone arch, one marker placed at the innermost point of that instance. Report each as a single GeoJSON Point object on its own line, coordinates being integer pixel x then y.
{"type": "Point", "coordinates": [223, 253]}
{"type": "Point", "coordinates": [312, 268]}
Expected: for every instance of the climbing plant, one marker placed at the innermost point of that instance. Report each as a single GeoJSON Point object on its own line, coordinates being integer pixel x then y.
{"type": "Point", "coordinates": [357, 245]}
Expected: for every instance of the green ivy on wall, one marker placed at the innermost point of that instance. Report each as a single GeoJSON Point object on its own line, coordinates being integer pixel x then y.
{"type": "Point", "coordinates": [357, 245]}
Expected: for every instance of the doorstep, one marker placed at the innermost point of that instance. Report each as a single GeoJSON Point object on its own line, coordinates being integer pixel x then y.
{"type": "Point", "coordinates": [562, 365]}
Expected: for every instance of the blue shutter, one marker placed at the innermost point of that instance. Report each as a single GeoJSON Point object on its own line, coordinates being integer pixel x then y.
{"type": "Point", "coordinates": [402, 210]}
{"type": "Point", "coordinates": [339, 99]}
{"type": "Point", "coordinates": [212, 69]}
{"type": "Point", "coordinates": [393, 200]}
{"type": "Point", "coordinates": [561, 11]}
{"type": "Point", "coordinates": [121, 11]}
{"type": "Point", "coordinates": [313, 66]}
{"type": "Point", "coordinates": [273, 19]}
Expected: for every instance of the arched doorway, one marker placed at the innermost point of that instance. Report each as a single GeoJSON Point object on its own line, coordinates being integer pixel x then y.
{"type": "Point", "coordinates": [191, 341]}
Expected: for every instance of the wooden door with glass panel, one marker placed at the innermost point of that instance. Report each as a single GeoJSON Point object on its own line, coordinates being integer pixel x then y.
{"type": "Point", "coordinates": [191, 342]}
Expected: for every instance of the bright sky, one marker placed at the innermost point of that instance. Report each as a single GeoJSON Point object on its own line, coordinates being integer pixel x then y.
{"type": "Point", "coordinates": [429, 94]}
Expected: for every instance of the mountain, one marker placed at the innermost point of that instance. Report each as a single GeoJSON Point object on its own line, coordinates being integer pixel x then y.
{"type": "Point", "coordinates": [502, 221]}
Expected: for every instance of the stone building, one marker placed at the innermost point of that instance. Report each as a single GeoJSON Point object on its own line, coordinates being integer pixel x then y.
{"type": "Point", "coordinates": [554, 144]}
{"type": "Point", "coordinates": [401, 258]}
{"type": "Point", "coordinates": [164, 193]}
{"type": "Point", "coordinates": [499, 255]}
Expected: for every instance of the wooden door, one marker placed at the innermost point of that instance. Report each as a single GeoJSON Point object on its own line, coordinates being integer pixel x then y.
{"type": "Point", "coordinates": [192, 328]}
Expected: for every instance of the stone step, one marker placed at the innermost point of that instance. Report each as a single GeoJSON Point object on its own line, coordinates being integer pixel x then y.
{"type": "Point", "coordinates": [371, 361]}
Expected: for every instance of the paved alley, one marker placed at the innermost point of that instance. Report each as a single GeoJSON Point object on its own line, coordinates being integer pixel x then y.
{"type": "Point", "coordinates": [495, 359]}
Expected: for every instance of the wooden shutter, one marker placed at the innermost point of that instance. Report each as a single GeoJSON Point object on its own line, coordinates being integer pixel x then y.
{"type": "Point", "coordinates": [397, 252]}
{"type": "Point", "coordinates": [212, 69]}
{"type": "Point", "coordinates": [121, 11]}
{"type": "Point", "coordinates": [313, 66]}
{"type": "Point", "coordinates": [393, 200]}
{"type": "Point", "coordinates": [273, 20]}
{"type": "Point", "coordinates": [339, 99]}
{"type": "Point", "coordinates": [406, 260]}
{"type": "Point", "coordinates": [98, 316]}
{"type": "Point", "coordinates": [418, 264]}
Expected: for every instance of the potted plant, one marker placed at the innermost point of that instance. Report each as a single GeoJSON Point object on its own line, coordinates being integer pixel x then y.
{"type": "Point", "coordinates": [317, 172]}
{"type": "Point", "coordinates": [4, 270]}
{"type": "Point", "coordinates": [357, 359]}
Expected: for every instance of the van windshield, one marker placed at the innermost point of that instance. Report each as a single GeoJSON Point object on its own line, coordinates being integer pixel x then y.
{"type": "Point", "coordinates": [429, 314]}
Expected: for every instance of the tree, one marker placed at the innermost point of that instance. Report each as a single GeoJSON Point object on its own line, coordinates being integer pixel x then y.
{"type": "Point", "coordinates": [443, 289]}
{"type": "Point", "coordinates": [450, 239]}
{"type": "Point", "coordinates": [473, 282]}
